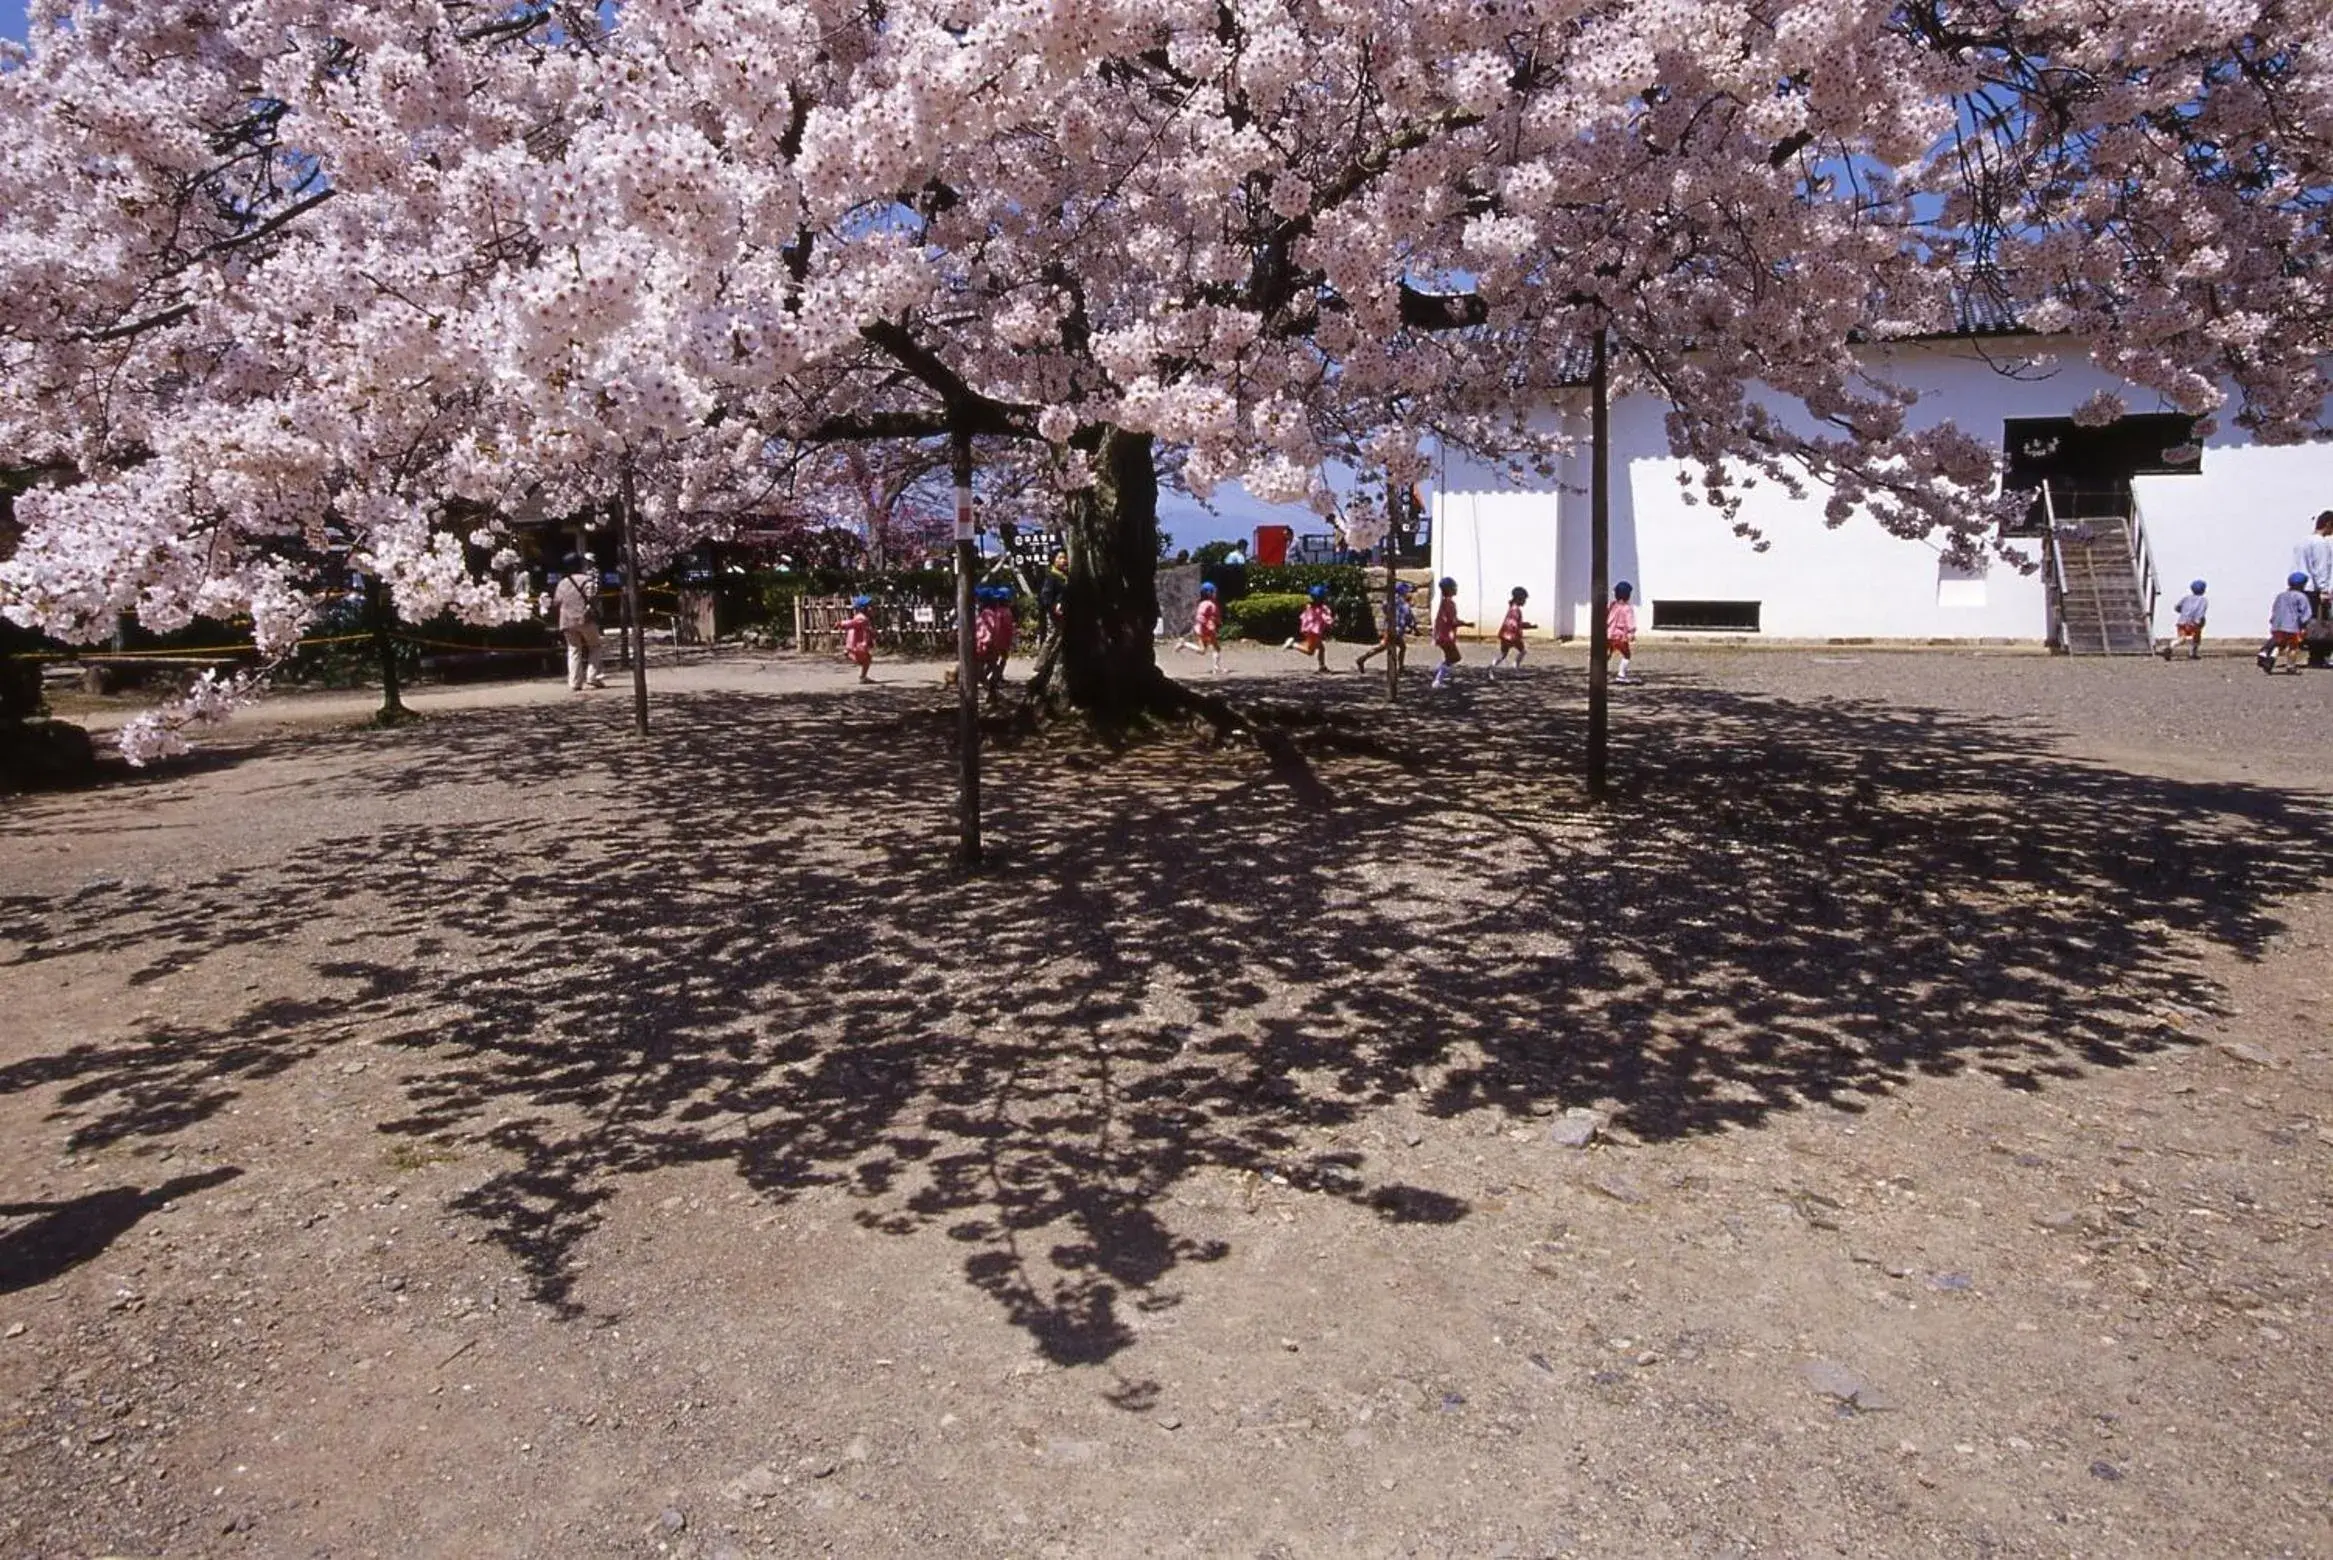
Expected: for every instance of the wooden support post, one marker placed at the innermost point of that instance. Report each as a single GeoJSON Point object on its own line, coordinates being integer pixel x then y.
{"type": "Point", "coordinates": [967, 673]}
{"type": "Point", "coordinates": [1599, 572]}
{"type": "Point", "coordinates": [639, 624]}
{"type": "Point", "coordinates": [1387, 637]}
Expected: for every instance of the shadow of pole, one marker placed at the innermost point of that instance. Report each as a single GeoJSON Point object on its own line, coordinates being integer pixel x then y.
{"type": "Point", "coordinates": [57, 1237]}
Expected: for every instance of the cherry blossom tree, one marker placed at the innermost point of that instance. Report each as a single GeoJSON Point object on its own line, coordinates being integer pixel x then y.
{"type": "Point", "coordinates": [268, 261]}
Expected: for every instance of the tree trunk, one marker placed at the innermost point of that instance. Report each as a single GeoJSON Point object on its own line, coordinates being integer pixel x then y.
{"type": "Point", "coordinates": [378, 620]}
{"type": "Point", "coordinates": [1109, 662]}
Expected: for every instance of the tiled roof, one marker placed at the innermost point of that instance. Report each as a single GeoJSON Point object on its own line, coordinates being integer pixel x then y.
{"type": "Point", "coordinates": [1982, 305]}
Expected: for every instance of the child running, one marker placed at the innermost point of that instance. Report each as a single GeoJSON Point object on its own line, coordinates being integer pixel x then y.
{"type": "Point", "coordinates": [1447, 623]}
{"type": "Point", "coordinates": [2288, 623]}
{"type": "Point", "coordinates": [1511, 630]}
{"type": "Point", "coordinates": [1620, 626]}
{"type": "Point", "coordinates": [1393, 644]}
{"type": "Point", "coordinates": [1207, 630]}
{"type": "Point", "coordinates": [858, 637]}
{"type": "Point", "coordinates": [1312, 628]}
{"type": "Point", "coordinates": [992, 636]}
{"type": "Point", "coordinates": [2191, 611]}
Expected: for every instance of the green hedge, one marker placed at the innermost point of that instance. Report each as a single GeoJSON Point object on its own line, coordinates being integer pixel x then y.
{"type": "Point", "coordinates": [1265, 619]}
{"type": "Point", "coordinates": [1297, 578]}
{"type": "Point", "coordinates": [1348, 594]}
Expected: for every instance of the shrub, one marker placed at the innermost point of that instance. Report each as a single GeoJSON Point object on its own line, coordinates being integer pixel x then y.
{"type": "Point", "coordinates": [1348, 593]}
{"type": "Point", "coordinates": [1268, 619]}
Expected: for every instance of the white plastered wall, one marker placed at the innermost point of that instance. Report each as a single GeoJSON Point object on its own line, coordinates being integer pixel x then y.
{"type": "Point", "coordinates": [2236, 528]}
{"type": "Point", "coordinates": [2235, 524]}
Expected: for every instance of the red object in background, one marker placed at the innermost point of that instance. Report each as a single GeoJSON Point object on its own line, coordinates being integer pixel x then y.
{"type": "Point", "coordinates": [1271, 547]}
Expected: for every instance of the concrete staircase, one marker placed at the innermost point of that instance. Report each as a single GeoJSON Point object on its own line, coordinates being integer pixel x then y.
{"type": "Point", "coordinates": [2103, 607]}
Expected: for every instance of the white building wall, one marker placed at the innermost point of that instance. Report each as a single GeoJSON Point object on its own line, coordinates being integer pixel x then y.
{"type": "Point", "coordinates": [2236, 528]}
{"type": "Point", "coordinates": [2235, 524]}
{"type": "Point", "coordinates": [1491, 542]}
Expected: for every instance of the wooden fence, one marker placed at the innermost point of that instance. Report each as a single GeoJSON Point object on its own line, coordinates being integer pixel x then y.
{"type": "Point", "coordinates": [903, 626]}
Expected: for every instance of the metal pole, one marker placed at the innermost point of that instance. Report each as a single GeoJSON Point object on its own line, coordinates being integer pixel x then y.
{"type": "Point", "coordinates": [967, 674]}
{"type": "Point", "coordinates": [1599, 571]}
{"type": "Point", "coordinates": [632, 605]}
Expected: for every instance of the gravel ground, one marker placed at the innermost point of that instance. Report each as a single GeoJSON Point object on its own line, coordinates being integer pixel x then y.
{"type": "Point", "coordinates": [1898, 1123]}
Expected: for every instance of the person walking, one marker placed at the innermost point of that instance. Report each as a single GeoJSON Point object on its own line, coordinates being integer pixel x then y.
{"type": "Point", "coordinates": [1447, 623]}
{"type": "Point", "coordinates": [993, 635]}
{"type": "Point", "coordinates": [2288, 620]}
{"type": "Point", "coordinates": [575, 600]}
{"type": "Point", "coordinates": [2193, 608]}
{"type": "Point", "coordinates": [1052, 596]}
{"type": "Point", "coordinates": [1511, 631]}
{"type": "Point", "coordinates": [1313, 625]}
{"type": "Point", "coordinates": [1620, 628]}
{"type": "Point", "coordinates": [2314, 558]}
{"type": "Point", "coordinates": [1207, 630]}
{"type": "Point", "coordinates": [858, 637]}
{"type": "Point", "coordinates": [1393, 644]}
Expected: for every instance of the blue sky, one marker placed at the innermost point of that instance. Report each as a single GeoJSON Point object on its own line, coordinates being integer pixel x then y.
{"type": "Point", "coordinates": [1238, 514]}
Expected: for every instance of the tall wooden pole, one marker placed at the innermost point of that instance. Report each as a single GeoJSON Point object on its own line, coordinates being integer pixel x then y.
{"type": "Point", "coordinates": [1392, 592]}
{"type": "Point", "coordinates": [1599, 572]}
{"type": "Point", "coordinates": [639, 625]}
{"type": "Point", "coordinates": [967, 673]}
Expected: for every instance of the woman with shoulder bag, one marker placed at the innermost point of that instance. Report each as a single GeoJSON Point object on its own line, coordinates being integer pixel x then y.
{"type": "Point", "coordinates": [576, 599]}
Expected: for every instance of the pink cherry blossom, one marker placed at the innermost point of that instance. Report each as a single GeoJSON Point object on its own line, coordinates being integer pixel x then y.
{"type": "Point", "coordinates": [397, 270]}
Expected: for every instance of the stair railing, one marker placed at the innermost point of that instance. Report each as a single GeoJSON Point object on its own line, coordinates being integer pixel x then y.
{"type": "Point", "coordinates": [2053, 579]}
{"type": "Point", "coordinates": [2142, 561]}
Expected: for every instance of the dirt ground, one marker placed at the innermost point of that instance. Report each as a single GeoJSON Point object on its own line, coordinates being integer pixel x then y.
{"type": "Point", "coordinates": [1899, 1124]}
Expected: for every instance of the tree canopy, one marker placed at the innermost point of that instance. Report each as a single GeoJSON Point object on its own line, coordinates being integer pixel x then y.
{"type": "Point", "coordinates": [272, 265]}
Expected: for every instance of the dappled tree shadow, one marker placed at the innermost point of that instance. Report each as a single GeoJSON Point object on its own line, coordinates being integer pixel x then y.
{"type": "Point", "coordinates": [747, 945]}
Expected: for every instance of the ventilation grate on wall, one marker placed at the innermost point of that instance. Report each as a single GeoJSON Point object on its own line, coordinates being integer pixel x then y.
{"type": "Point", "coordinates": [1729, 617]}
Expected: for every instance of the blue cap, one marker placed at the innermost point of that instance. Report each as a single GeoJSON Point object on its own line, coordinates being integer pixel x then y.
{"type": "Point", "coordinates": [2296, 579]}
{"type": "Point", "coordinates": [1318, 593]}
{"type": "Point", "coordinates": [862, 601]}
{"type": "Point", "coordinates": [1207, 588]}
{"type": "Point", "coordinates": [2196, 586]}
{"type": "Point", "coordinates": [1403, 587]}
{"type": "Point", "coordinates": [1448, 583]}
{"type": "Point", "coordinates": [1623, 590]}
{"type": "Point", "coordinates": [1519, 594]}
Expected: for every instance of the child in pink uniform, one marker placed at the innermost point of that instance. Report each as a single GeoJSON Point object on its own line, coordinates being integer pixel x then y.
{"type": "Point", "coordinates": [1394, 642]}
{"type": "Point", "coordinates": [1446, 626]}
{"type": "Point", "coordinates": [1312, 628]}
{"type": "Point", "coordinates": [1207, 629]}
{"type": "Point", "coordinates": [1620, 626]}
{"type": "Point", "coordinates": [1511, 631]}
{"type": "Point", "coordinates": [993, 633]}
{"type": "Point", "coordinates": [858, 636]}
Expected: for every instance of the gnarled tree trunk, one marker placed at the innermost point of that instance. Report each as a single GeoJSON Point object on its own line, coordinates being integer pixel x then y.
{"type": "Point", "coordinates": [1109, 662]}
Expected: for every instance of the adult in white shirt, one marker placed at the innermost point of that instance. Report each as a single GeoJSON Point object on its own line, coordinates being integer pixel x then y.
{"type": "Point", "coordinates": [2314, 558]}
